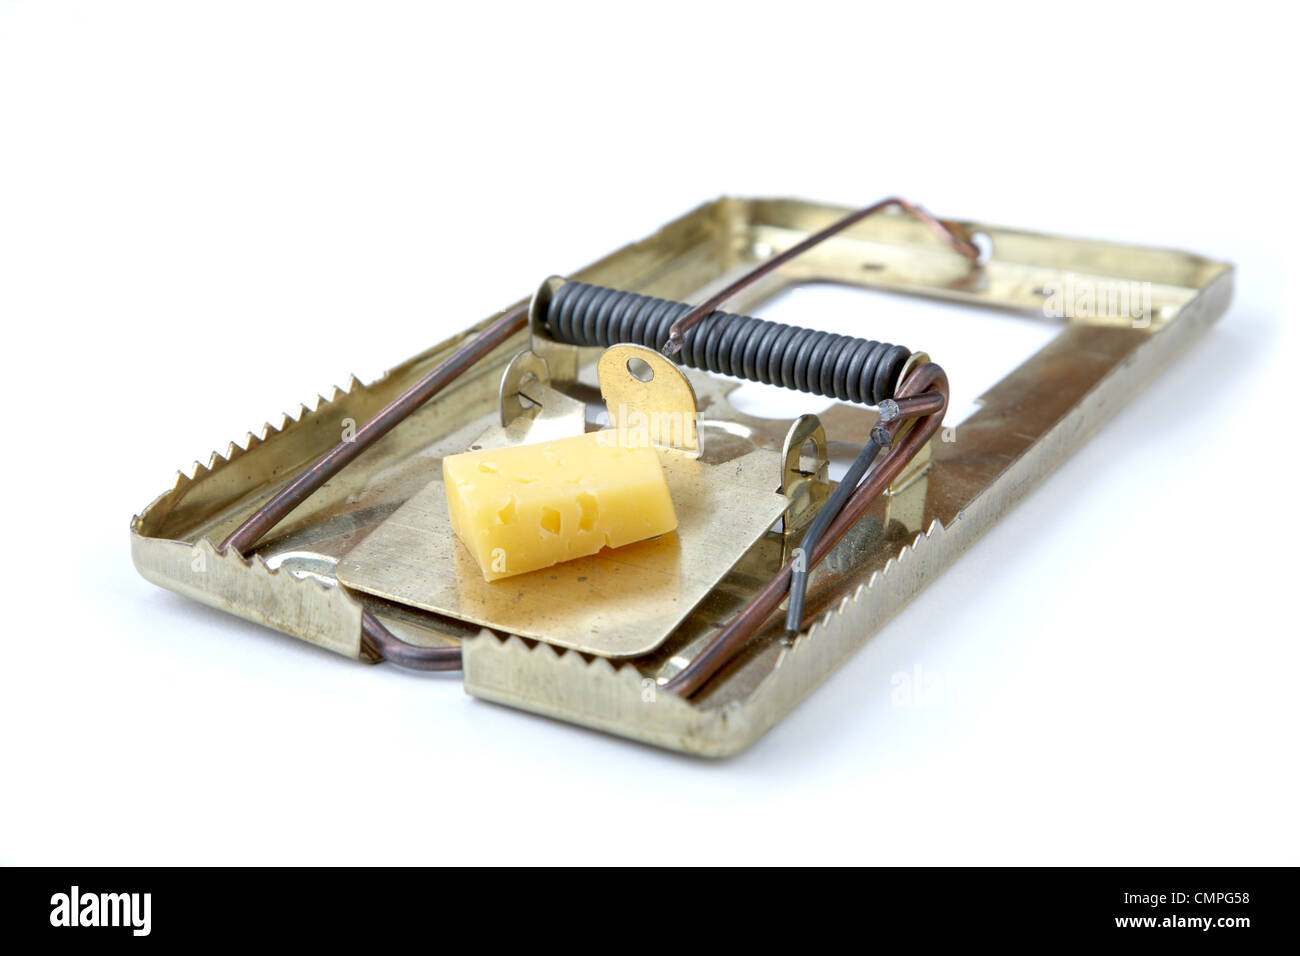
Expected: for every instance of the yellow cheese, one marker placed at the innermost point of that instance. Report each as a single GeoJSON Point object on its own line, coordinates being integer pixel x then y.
{"type": "Point", "coordinates": [531, 506]}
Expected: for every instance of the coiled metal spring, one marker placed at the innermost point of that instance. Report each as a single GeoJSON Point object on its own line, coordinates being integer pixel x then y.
{"type": "Point", "coordinates": [823, 363]}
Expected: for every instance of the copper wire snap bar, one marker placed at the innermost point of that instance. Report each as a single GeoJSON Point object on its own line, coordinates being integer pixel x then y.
{"type": "Point", "coordinates": [849, 369]}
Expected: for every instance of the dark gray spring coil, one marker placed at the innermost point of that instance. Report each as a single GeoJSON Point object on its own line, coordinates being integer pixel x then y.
{"type": "Point", "coordinates": [823, 363]}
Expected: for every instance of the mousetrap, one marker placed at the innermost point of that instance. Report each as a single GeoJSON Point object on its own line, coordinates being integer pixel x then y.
{"type": "Point", "coordinates": [334, 525]}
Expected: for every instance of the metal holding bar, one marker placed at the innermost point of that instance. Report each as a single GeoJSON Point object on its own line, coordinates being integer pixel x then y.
{"type": "Point", "coordinates": [732, 639]}
{"type": "Point", "coordinates": [381, 641]}
{"type": "Point", "coordinates": [256, 525]}
{"type": "Point", "coordinates": [946, 231]}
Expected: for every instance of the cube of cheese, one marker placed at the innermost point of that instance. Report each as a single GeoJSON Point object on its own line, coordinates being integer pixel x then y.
{"type": "Point", "coordinates": [526, 507]}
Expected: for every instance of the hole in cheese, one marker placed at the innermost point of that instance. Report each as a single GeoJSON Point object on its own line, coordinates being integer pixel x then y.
{"type": "Point", "coordinates": [587, 505]}
{"type": "Point", "coordinates": [550, 521]}
{"type": "Point", "coordinates": [507, 514]}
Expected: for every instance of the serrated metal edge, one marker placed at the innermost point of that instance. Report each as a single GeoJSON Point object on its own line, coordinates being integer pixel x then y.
{"type": "Point", "coordinates": [592, 691]}
{"type": "Point", "coordinates": [248, 587]}
{"type": "Point", "coordinates": [217, 460]}
{"type": "Point", "coordinates": [567, 686]}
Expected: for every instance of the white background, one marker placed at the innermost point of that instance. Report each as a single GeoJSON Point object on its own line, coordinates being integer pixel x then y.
{"type": "Point", "coordinates": [210, 212]}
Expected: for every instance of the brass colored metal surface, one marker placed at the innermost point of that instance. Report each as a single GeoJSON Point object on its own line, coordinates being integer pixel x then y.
{"type": "Point", "coordinates": [550, 415]}
{"type": "Point", "coordinates": [617, 603]}
{"type": "Point", "coordinates": [526, 368]}
{"type": "Point", "coordinates": [648, 397]}
{"type": "Point", "coordinates": [807, 490]}
{"type": "Point", "coordinates": [1025, 426]}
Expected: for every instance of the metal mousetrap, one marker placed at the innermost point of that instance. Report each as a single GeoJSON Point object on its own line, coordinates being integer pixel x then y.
{"type": "Point", "coordinates": [703, 638]}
